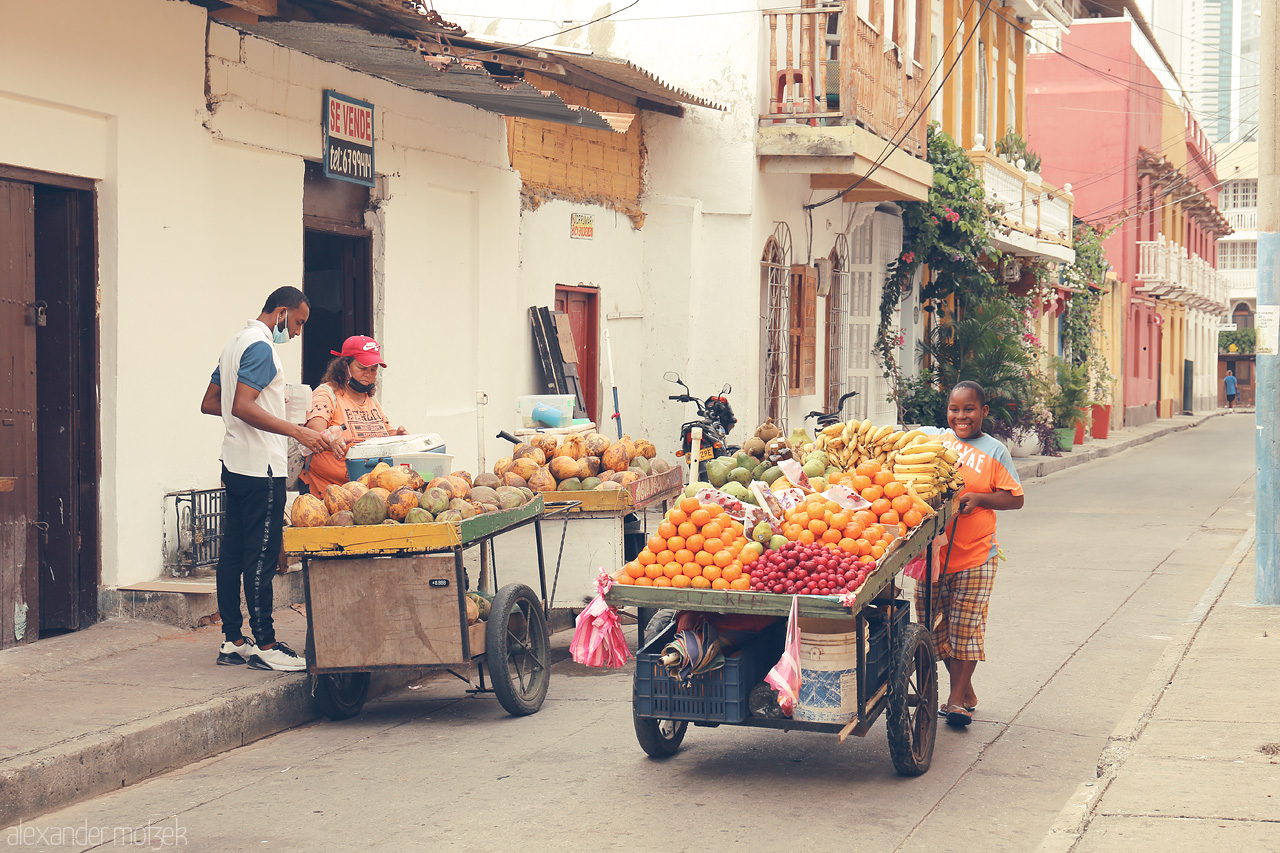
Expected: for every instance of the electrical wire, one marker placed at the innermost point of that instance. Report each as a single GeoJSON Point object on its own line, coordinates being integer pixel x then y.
{"type": "Point", "coordinates": [506, 47]}
{"type": "Point", "coordinates": [908, 119]}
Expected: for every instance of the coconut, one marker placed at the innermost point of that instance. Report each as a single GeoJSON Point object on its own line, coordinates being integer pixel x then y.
{"type": "Point", "coordinates": [596, 444]}
{"type": "Point", "coordinates": [502, 466]}
{"type": "Point", "coordinates": [545, 443]}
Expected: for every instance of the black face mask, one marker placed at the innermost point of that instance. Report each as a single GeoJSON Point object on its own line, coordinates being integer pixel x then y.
{"type": "Point", "coordinates": [358, 386]}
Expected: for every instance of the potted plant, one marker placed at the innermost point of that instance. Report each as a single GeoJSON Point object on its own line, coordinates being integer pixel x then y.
{"type": "Point", "coordinates": [1069, 399]}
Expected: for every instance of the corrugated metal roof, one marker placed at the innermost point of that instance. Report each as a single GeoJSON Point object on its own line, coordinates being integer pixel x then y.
{"type": "Point", "coordinates": [618, 72]}
{"type": "Point", "coordinates": [402, 62]}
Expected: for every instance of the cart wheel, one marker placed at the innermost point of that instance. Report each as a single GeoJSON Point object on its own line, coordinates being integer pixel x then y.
{"type": "Point", "coordinates": [660, 738]}
{"type": "Point", "coordinates": [340, 695]}
{"type": "Point", "coordinates": [912, 714]}
{"type": "Point", "coordinates": [518, 650]}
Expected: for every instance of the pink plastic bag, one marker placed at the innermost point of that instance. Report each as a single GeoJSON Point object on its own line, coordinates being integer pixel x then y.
{"type": "Point", "coordinates": [785, 675]}
{"type": "Point", "coordinates": [598, 640]}
{"type": "Point", "coordinates": [915, 568]}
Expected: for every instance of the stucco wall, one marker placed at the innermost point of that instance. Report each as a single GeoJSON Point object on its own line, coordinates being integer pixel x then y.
{"type": "Point", "coordinates": [200, 216]}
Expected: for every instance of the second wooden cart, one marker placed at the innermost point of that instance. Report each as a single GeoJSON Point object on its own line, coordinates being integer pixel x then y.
{"type": "Point", "coordinates": [902, 683]}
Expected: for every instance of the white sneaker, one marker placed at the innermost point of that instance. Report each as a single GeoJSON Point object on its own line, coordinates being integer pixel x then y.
{"type": "Point", "coordinates": [279, 657]}
{"type": "Point", "coordinates": [229, 654]}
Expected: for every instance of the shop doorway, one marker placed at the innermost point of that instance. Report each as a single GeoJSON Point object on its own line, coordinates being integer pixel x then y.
{"type": "Point", "coordinates": [580, 304]}
{"type": "Point", "coordinates": [49, 451]}
{"type": "Point", "coordinates": [337, 268]}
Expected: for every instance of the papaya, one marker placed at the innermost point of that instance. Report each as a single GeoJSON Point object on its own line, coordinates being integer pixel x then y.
{"type": "Point", "coordinates": [502, 466]}
{"type": "Point", "coordinates": [616, 458]}
{"type": "Point", "coordinates": [542, 481]}
{"type": "Point", "coordinates": [308, 511]}
{"type": "Point", "coordinates": [370, 509]}
{"type": "Point", "coordinates": [545, 443]}
{"type": "Point", "coordinates": [400, 502]}
{"type": "Point", "coordinates": [418, 515]}
{"type": "Point", "coordinates": [525, 467]}
{"type": "Point", "coordinates": [596, 444]}
{"type": "Point", "coordinates": [513, 479]}
{"type": "Point", "coordinates": [342, 519]}
{"type": "Point", "coordinates": [337, 498]}
{"type": "Point", "coordinates": [564, 467]}
{"type": "Point", "coordinates": [435, 500]}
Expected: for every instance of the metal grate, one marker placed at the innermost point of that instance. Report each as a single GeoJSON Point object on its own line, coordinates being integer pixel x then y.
{"type": "Point", "coordinates": [200, 516]}
{"type": "Point", "coordinates": [776, 275]}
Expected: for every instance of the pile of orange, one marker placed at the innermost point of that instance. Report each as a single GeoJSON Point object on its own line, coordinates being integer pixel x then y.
{"type": "Point", "coordinates": [696, 546]}
{"type": "Point", "coordinates": [859, 533]}
{"type": "Point", "coordinates": [890, 504]}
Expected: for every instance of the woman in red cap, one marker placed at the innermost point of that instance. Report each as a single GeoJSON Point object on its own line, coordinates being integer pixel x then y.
{"type": "Point", "coordinates": [345, 396]}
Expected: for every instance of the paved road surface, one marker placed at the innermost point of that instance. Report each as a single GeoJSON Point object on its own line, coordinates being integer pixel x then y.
{"type": "Point", "coordinates": [1104, 562]}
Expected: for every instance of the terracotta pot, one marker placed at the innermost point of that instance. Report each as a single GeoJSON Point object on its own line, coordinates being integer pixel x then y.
{"type": "Point", "coordinates": [1101, 421]}
{"type": "Point", "coordinates": [1079, 433]}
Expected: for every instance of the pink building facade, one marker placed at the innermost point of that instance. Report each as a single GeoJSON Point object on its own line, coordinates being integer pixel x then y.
{"type": "Point", "coordinates": [1110, 122]}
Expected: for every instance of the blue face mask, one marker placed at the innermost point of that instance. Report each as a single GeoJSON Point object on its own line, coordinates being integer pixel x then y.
{"type": "Point", "coordinates": [280, 334]}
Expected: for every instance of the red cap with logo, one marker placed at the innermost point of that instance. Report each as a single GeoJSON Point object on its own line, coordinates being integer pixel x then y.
{"type": "Point", "coordinates": [363, 349]}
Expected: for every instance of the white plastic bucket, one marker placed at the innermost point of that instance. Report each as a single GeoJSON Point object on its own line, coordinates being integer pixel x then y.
{"type": "Point", "coordinates": [828, 671]}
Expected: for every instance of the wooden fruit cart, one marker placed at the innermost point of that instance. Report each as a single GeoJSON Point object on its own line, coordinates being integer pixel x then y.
{"type": "Point", "coordinates": [898, 677]}
{"type": "Point", "coordinates": [394, 597]}
{"type": "Point", "coordinates": [601, 529]}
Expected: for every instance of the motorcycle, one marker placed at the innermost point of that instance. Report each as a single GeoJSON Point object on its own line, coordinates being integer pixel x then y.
{"type": "Point", "coordinates": [715, 418]}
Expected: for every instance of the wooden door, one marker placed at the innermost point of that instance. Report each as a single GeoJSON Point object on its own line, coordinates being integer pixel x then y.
{"type": "Point", "coordinates": [580, 304]}
{"type": "Point", "coordinates": [19, 597]}
{"type": "Point", "coordinates": [67, 408]}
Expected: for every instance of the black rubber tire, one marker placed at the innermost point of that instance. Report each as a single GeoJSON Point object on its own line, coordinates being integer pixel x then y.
{"type": "Point", "coordinates": [660, 738]}
{"type": "Point", "coordinates": [518, 650]}
{"type": "Point", "coordinates": [912, 713]}
{"type": "Point", "coordinates": [340, 695]}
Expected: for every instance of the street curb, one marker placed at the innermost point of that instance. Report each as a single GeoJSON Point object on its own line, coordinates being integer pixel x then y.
{"type": "Point", "coordinates": [1043, 466]}
{"type": "Point", "coordinates": [1074, 819]}
{"type": "Point", "coordinates": [105, 761]}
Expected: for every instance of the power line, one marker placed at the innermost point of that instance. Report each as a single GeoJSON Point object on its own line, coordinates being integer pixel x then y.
{"type": "Point", "coordinates": [497, 49]}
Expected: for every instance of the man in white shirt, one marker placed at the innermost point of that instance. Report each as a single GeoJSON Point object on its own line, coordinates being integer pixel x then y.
{"type": "Point", "coordinates": [247, 391]}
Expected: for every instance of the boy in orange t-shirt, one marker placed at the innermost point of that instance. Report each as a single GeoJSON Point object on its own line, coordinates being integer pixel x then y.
{"type": "Point", "coordinates": [962, 593]}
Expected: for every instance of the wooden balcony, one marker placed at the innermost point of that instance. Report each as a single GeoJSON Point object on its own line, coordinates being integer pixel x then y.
{"type": "Point", "coordinates": [839, 92]}
{"type": "Point", "coordinates": [1168, 270]}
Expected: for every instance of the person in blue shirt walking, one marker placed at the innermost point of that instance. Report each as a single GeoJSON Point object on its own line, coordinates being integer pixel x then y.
{"type": "Point", "coordinates": [1229, 383]}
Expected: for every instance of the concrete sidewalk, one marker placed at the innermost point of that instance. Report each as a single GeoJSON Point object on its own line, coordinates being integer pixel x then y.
{"type": "Point", "coordinates": [1195, 763]}
{"type": "Point", "coordinates": [112, 705]}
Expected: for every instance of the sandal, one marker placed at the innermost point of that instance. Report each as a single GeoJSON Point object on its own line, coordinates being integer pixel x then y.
{"type": "Point", "coordinates": [943, 710]}
{"type": "Point", "coordinates": [958, 716]}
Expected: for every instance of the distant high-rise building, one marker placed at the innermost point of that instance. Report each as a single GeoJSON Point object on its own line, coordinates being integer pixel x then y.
{"type": "Point", "coordinates": [1220, 52]}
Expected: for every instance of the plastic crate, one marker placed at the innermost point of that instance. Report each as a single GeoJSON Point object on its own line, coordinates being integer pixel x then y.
{"type": "Point", "coordinates": [719, 696]}
{"type": "Point", "coordinates": [878, 662]}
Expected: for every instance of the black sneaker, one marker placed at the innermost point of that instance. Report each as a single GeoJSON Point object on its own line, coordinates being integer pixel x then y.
{"type": "Point", "coordinates": [229, 654]}
{"type": "Point", "coordinates": [279, 657]}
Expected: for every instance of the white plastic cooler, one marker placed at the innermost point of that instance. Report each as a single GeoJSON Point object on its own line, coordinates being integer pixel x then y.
{"type": "Point", "coordinates": [425, 453]}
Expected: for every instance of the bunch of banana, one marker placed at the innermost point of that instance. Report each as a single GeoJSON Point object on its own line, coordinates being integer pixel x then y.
{"type": "Point", "coordinates": [925, 465]}
{"type": "Point", "coordinates": [850, 444]}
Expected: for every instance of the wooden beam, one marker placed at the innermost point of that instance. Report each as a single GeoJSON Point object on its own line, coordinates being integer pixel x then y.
{"type": "Point", "coordinates": [1003, 119]}
{"type": "Point", "coordinates": [265, 8]}
{"type": "Point", "coordinates": [1020, 81]}
{"type": "Point", "coordinates": [950, 119]}
{"type": "Point", "coordinates": [969, 63]}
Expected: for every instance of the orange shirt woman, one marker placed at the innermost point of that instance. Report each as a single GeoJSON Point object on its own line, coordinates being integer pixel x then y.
{"type": "Point", "coordinates": [346, 396]}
